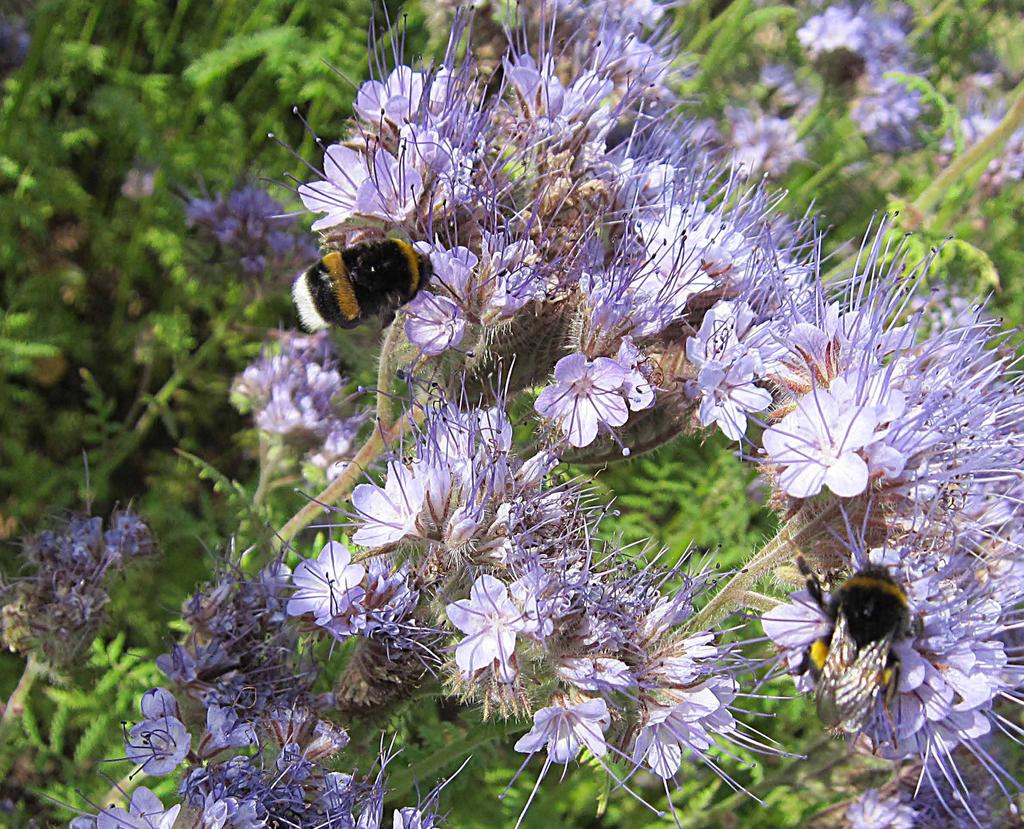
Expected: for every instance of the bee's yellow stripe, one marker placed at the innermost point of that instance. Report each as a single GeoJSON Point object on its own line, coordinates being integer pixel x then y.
{"type": "Point", "coordinates": [819, 653]}
{"type": "Point", "coordinates": [341, 285]}
{"type": "Point", "coordinates": [875, 583]}
{"type": "Point", "coordinates": [414, 264]}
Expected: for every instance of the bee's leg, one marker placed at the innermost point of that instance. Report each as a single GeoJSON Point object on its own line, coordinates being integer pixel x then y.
{"type": "Point", "coordinates": [813, 585]}
{"type": "Point", "coordinates": [387, 317]}
{"type": "Point", "coordinates": [889, 694]}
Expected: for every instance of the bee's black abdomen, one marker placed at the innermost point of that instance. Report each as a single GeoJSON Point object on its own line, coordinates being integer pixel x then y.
{"type": "Point", "coordinates": [347, 287]}
{"type": "Point", "coordinates": [384, 274]}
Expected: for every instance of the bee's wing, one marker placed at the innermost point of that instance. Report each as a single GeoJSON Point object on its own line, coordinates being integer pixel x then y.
{"type": "Point", "coordinates": [850, 679]}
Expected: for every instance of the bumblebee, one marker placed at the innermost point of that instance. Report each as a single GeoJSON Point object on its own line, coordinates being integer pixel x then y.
{"type": "Point", "coordinates": [347, 287]}
{"type": "Point", "coordinates": [854, 664]}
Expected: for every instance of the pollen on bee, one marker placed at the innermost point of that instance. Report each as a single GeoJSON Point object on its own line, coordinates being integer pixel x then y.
{"type": "Point", "coordinates": [819, 653]}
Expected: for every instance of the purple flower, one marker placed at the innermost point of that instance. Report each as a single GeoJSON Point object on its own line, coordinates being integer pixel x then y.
{"type": "Point", "coordinates": [763, 143]}
{"type": "Point", "coordinates": [872, 811]}
{"type": "Point", "coordinates": [817, 445]}
{"type": "Point", "coordinates": [635, 386]}
{"type": "Point", "coordinates": [392, 188]}
{"type": "Point", "coordinates": [128, 537]}
{"type": "Point", "coordinates": [837, 28]}
{"type": "Point", "coordinates": [292, 392]}
{"type": "Point", "coordinates": [434, 323]}
{"type": "Point", "coordinates": [728, 368]}
{"type": "Point", "coordinates": [565, 729]}
{"type": "Point", "coordinates": [597, 674]}
{"type": "Point", "coordinates": [339, 445]}
{"type": "Point", "coordinates": [249, 223]}
{"type": "Point", "coordinates": [858, 38]}
{"type": "Point", "coordinates": [15, 41]}
{"type": "Point", "coordinates": [491, 622]}
{"type": "Point", "coordinates": [587, 394]}
{"type": "Point", "coordinates": [688, 724]}
{"type": "Point", "coordinates": [345, 172]}
{"type": "Point", "coordinates": [329, 588]}
{"type": "Point", "coordinates": [889, 116]}
{"type": "Point", "coordinates": [145, 811]}
{"type": "Point", "coordinates": [225, 730]}
{"type": "Point", "coordinates": [397, 99]}
{"type": "Point", "coordinates": [160, 742]}
{"type": "Point", "coordinates": [389, 601]}
{"type": "Point", "coordinates": [391, 513]}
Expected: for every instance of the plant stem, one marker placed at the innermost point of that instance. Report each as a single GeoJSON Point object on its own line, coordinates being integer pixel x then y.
{"type": "Point", "coordinates": [15, 706]}
{"type": "Point", "coordinates": [385, 370]}
{"type": "Point", "coordinates": [130, 441]}
{"type": "Point", "coordinates": [14, 709]}
{"type": "Point", "coordinates": [976, 153]}
{"type": "Point", "coordinates": [378, 441]}
{"type": "Point", "coordinates": [268, 468]}
{"type": "Point", "coordinates": [782, 549]}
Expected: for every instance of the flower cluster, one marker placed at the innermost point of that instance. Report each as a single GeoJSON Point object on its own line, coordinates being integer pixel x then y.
{"type": "Point", "coordinates": [58, 609]}
{"type": "Point", "coordinates": [851, 44]}
{"type": "Point", "coordinates": [955, 665]}
{"type": "Point", "coordinates": [546, 610]}
{"type": "Point", "coordinates": [763, 143]}
{"type": "Point", "coordinates": [602, 242]}
{"type": "Point", "coordinates": [248, 226]}
{"type": "Point", "coordinates": [239, 653]}
{"type": "Point", "coordinates": [873, 811]}
{"type": "Point", "coordinates": [285, 783]}
{"type": "Point", "coordinates": [294, 392]}
{"type": "Point", "coordinates": [876, 399]}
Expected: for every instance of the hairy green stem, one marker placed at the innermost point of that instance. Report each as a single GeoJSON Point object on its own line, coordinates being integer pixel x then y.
{"type": "Point", "coordinates": [385, 371]}
{"type": "Point", "coordinates": [268, 468]}
{"type": "Point", "coordinates": [975, 154]}
{"type": "Point", "coordinates": [782, 549]}
{"type": "Point", "coordinates": [15, 707]}
{"type": "Point", "coordinates": [377, 442]}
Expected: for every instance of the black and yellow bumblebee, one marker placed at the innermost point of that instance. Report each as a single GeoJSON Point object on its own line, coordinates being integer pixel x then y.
{"type": "Point", "coordinates": [854, 664]}
{"type": "Point", "coordinates": [346, 287]}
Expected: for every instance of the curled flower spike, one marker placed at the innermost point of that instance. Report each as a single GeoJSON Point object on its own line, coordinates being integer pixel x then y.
{"type": "Point", "coordinates": [57, 609]}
